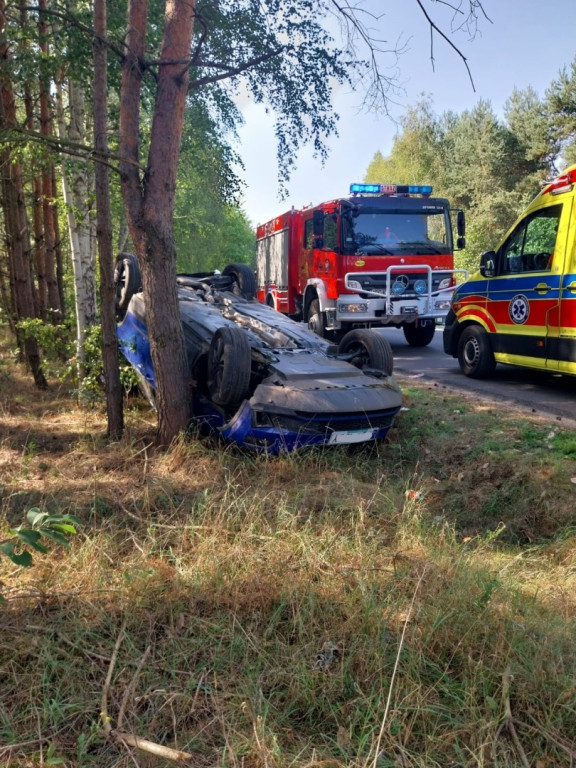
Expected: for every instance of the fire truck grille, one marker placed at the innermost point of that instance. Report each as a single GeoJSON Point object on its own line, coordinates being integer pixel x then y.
{"type": "Point", "coordinates": [377, 282]}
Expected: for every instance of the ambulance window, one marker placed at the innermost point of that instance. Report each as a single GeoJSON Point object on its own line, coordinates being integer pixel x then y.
{"type": "Point", "coordinates": [530, 247]}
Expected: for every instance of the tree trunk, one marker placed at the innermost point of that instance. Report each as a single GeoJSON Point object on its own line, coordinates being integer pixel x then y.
{"type": "Point", "coordinates": [15, 221]}
{"type": "Point", "coordinates": [41, 293]}
{"type": "Point", "coordinates": [76, 196]}
{"type": "Point", "coordinates": [48, 191]}
{"type": "Point", "coordinates": [149, 202]}
{"type": "Point", "coordinates": [104, 230]}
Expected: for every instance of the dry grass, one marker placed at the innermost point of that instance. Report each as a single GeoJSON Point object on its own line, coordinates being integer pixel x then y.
{"type": "Point", "coordinates": [302, 611]}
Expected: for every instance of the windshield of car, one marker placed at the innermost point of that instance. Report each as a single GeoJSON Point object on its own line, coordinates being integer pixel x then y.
{"type": "Point", "coordinates": [385, 232]}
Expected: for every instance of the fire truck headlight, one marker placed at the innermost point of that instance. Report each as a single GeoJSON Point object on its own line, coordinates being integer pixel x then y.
{"type": "Point", "coordinates": [353, 285]}
{"type": "Point", "coordinates": [398, 287]}
{"type": "Point", "coordinates": [350, 308]}
{"type": "Point", "coordinates": [420, 286]}
{"type": "Point", "coordinates": [442, 305]}
{"type": "Point", "coordinates": [444, 284]}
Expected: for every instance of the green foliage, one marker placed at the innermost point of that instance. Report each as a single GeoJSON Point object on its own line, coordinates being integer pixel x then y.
{"type": "Point", "coordinates": [55, 340]}
{"type": "Point", "coordinates": [41, 525]}
{"type": "Point", "coordinates": [210, 230]}
{"type": "Point", "coordinates": [561, 111]}
{"type": "Point", "coordinates": [488, 167]}
{"type": "Point", "coordinates": [285, 57]}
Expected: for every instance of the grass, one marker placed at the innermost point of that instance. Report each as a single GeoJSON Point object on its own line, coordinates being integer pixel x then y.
{"type": "Point", "coordinates": [410, 604]}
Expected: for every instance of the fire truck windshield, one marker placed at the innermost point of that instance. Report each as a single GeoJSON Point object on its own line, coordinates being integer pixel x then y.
{"type": "Point", "coordinates": [387, 232]}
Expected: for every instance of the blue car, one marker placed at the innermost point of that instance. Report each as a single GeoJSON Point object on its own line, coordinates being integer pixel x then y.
{"type": "Point", "coordinates": [260, 379]}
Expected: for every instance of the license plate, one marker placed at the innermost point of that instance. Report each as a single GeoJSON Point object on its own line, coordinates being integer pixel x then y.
{"type": "Point", "coordinates": [350, 436]}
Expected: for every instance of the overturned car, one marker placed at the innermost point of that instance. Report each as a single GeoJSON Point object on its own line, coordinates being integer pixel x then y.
{"type": "Point", "coordinates": [260, 379]}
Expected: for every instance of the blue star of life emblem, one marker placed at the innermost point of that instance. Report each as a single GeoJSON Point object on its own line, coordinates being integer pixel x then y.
{"type": "Point", "coordinates": [519, 309]}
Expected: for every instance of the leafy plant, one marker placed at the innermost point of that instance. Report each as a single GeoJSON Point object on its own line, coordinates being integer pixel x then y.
{"type": "Point", "coordinates": [41, 525]}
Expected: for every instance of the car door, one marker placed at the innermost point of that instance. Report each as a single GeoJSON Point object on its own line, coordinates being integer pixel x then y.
{"type": "Point", "coordinates": [524, 298]}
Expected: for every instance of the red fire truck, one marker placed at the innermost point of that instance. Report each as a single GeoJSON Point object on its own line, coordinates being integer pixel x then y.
{"type": "Point", "coordinates": [381, 257]}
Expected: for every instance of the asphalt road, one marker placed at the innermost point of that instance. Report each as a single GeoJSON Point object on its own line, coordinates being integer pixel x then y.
{"type": "Point", "coordinates": [546, 394]}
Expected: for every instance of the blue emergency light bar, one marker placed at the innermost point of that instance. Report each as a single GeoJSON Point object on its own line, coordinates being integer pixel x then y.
{"type": "Point", "coordinates": [391, 189]}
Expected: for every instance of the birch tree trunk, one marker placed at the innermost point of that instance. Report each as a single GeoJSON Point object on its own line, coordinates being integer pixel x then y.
{"type": "Point", "coordinates": [76, 199]}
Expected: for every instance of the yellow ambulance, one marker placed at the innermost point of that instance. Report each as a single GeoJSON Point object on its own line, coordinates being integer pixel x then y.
{"type": "Point", "coordinates": [520, 307]}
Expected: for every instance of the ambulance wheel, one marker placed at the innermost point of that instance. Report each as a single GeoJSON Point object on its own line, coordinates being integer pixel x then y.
{"type": "Point", "coordinates": [245, 282]}
{"type": "Point", "coordinates": [419, 334]}
{"type": "Point", "coordinates": [368, 350]}
{"type": "Point", "coordinates": [475, 353]}
{"type": "Point", "coordinates": [229, 366]}
{"type": "Point", "coordinates": [317, 319]}
{"type": "Point", "coordinates": [127, 281]}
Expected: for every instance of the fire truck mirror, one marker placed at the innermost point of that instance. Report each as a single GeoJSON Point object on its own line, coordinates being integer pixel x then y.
{"type": "Point", "coordinates": [461, 225]}
{"type": "Point", "coordinates": [318, 223]}
{"type": "Point", "coordinates": [461, 243]}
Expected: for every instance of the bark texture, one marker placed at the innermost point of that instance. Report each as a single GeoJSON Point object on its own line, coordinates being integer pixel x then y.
{"type": "Point", "coordinates": [104, 230]}
{"type": "Point", "coordinates": [149, 198]}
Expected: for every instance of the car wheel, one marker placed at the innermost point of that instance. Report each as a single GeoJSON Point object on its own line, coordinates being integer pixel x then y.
{"type": "Point", "coordinates": [368, 350]}
{"type": "Point", "coordinates": [127, 280]}
{"type": "Point", "coordinates": [317, 319]}
{"type": "Point", "coordinates": [244, 278]}
{"type": "Point", "coordinates": [229, 366]}
{"type": "Point", "coordinates": [475, 353]}
{"type": "Point", "coordinates": [419, 334]}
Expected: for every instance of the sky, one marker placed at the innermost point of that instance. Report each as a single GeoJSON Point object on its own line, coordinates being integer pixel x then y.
{"type": "Point", "coordinates": [525, 43]}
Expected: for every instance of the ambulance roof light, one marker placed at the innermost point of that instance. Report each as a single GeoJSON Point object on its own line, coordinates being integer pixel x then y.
{"type": "Point", "coordinates": [391, 189]}
{"type": "Point", "coordinates": [562, 183]}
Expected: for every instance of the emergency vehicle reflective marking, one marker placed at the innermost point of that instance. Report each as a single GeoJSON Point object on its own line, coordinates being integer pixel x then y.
{"type": "Point", "coordinates": [480, 314]}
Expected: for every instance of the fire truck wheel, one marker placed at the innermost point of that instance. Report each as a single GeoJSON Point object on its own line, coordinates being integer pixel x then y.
{"type": "Point", "coordinates": [368, 350]}
{"type": "Point", "coordinates": [229, 366]}
{"type": "Point", "coordinates": [475, 353]}
{"type": "Point", "coordinates": [244, 278]}
{"type": "Point", "coordinates": [419, 334]}
{"type": "Point", "coordinates": [127, 281]}
{"type": "Point", "coordinates": [317, 319]}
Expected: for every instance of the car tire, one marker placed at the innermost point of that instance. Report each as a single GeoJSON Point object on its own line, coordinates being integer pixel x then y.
{"type": "Point", "coordinates": [475, 354]}
{"type": "Point", "coordinates": [127, 281]}
{"type": "Point", "coordinates": [368, 350]}
{"type": "Point", "coordinates": [245, 282]}
{"type": "Point", "coordinates": [229, 366]}
{"type": "Point", "coordinates": [419, 334]}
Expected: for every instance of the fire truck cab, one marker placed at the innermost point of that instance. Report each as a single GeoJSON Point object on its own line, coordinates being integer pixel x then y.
{"type": "Point", "coordinates": [381, 257]}
{"type": "Point", "coordinates": [520, 307]}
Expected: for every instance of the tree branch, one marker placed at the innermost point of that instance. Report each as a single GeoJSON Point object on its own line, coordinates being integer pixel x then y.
{"type": "Point", "coordinates": [230, 71]}
{"type": "Point", "coordinates": [68, 147]}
